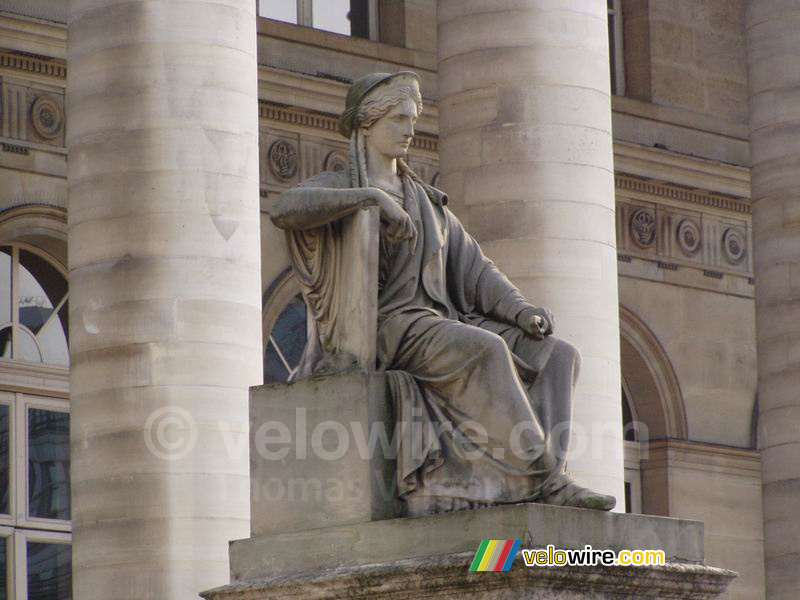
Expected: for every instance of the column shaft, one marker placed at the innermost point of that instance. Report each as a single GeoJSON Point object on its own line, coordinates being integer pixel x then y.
{"type": "Point", "coordinates": [165, 303]}
{"type": "Point", "coordinates": [773, 45]}
{"type": "Point", "coordinates": [527, 158]}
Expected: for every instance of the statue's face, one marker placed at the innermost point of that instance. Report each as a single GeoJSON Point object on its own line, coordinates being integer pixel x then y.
{"type": "Point", "coordinates": [391, 135]}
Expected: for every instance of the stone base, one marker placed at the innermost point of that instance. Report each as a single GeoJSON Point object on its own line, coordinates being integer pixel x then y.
{"type": "Point", "coordinates": [392, 540]}
{"type": "Point", "coordinates": [448, 578]}
{"type": "Point", "coordinates": [429, 557]}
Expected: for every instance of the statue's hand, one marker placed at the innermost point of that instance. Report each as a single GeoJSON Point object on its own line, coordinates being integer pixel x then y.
{"type": "Point", "coordinates": [397, 224]}
{"type": "Point", "coordinates": [537, 322]}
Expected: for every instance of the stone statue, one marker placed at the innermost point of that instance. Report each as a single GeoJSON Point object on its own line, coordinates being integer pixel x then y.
{"type": "Point", "coordinates": [472, 366]}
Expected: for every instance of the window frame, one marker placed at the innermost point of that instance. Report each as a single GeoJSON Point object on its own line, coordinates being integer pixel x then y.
{"type": "Point", "coordinates": [7, 538]}
{"type": "Point", "coordinates": [618, 65]}
{"type": "Point", "coordinates": [305, 17]}
{"type": "Point", "coordinates": [19, 559]}
{"type": "Point", "coordinates": [24, 518]}
{"type": "Point", "coordinates": [10, 519]}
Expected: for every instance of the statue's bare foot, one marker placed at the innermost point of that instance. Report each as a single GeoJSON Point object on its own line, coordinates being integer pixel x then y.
{"type": "Point", "coordinates": [577, 496]}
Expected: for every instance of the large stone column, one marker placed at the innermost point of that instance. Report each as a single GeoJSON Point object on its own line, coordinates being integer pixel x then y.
{"type": "Point", "coordinates": [773, 45]}
{"type": "Point", "coordinates": [526, 156]}
{"type": "Point", "coordinates": [164, 290]}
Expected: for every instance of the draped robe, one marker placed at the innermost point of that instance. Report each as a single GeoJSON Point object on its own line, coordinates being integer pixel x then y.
{"type": "Point", "coordinates": [454, 355]}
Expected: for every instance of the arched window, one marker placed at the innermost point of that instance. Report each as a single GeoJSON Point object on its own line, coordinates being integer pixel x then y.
{"type": "Point", "coordinates": [284, 328]}
{"type": "Point", "coordinates": [286, 342]}
{"type": "Point", "coordinates": [33, 307]}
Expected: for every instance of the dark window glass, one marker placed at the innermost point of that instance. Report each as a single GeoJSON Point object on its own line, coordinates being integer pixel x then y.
{"type": "Point", "coordinates": [286, 342]}
{"type": "Point", "coordinates": [274, 369]}
{"type": "Point", "coordinates": [4, 461]}
{"type": "Point", "coordinates": [49, 571]}
{"type": "Point", "coordinates": [628, 424]}
{"type": "Point", "coordinates": [359, 18]}
{"type": "Point", "coordinates": [48, 464]}
{"type": "Point", "coordinates": [6, 339]}
{"type": "Point", "coordinates": [628, 497]}
{"type": "Point", "coordinates": [612, 50]}
{"type": "Point", "coordinates": [3, 569]}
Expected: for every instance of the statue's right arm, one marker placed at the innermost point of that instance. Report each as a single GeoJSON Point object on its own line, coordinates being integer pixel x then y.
{"type": "Point", "coordinates": [309, 207]}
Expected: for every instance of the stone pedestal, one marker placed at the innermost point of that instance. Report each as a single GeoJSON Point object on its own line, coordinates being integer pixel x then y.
{"type": "Point", "coordinates": [430, 557]}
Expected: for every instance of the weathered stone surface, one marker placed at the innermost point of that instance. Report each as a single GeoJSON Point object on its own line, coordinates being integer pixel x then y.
{"type": "Point", "coordinates": [448, 578]}
{"type": "Point", "coordinates": [165, 300]}
{"type": "Point", "coordinates": [771, 33]}
{"type": "Point", "coordinates": [324, 476]}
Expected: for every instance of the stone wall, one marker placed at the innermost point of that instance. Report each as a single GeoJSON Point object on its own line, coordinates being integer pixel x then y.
{"type": "Point", "coordinates": [687, 54]}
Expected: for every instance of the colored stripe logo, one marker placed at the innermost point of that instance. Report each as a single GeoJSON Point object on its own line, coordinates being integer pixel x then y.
{"type": "Point", "coordinates": [495, 555]}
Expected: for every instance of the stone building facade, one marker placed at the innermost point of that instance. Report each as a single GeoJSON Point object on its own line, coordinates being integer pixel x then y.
{"type": "Point", "coordinates": [684, 237]}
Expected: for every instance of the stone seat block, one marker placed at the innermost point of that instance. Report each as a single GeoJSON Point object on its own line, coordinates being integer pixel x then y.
{"type": "Point", "coordinates": [310, 461]}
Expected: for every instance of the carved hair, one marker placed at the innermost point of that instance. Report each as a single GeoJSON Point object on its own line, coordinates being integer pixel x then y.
{"type": "Point", "coordinates": [377, 105]}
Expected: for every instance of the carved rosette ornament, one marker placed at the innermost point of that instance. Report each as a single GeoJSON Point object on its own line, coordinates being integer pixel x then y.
{"type": "Point", "coordinates": [689, 237]}
{"type": "Point", "coordinates": [336, 161]}
{"type": "Point", "coordinates": [643, 228]}
{"type": "Point", "coordinates": [734, 245]}
{"type": "Point", "coordinates": [283, 160]}
{"type": "Point", "coordinates": [47, 117]}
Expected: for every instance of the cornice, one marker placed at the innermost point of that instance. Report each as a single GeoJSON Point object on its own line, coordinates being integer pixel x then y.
{"type": "Point", "coordinates": [702, 456]}
{"type": "Point", "coordinates": [29, 64]}
{"type": "Point", "coordinates": [692, 172]}
{"type": "Point", "coordinates": [33, 36]}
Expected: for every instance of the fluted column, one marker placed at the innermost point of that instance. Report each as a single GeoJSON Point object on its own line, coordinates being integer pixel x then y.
{"type": "Point", "coordinates": [526, 156]}
{"type": "Point", "coordinates": [773, 47]}
{"type": "Point", "coordinates": [164, 290]}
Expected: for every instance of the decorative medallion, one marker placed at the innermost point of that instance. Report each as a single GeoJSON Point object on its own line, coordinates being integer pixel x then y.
{"type": "Point", "coordinates": [283, 160]}
{"type": "Point", "coordinates": [47, 117]}
{"type": "Point", "coordinates": [689, 237]}
{"type": "Point", "coordinates": [336, 161]}
{"type": "Point", "coordinates": [734, 245]}
{"type": "Point", "coordinates": [643, 228]}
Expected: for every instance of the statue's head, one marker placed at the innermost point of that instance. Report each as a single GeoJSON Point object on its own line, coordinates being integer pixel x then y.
{"type": "Point", "coordinates": [375, 96]}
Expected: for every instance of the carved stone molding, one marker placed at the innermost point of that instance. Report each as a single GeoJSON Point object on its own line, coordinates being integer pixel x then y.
{"type": "Point", "coordinates": [643, 228]}
{"type": "Point", "coordinates": [695, 196]}
{"type": "Point", "coordinates": [33, 65]}
{"type": "Point", "coordinates": [734, 245]}
{"type": "Point", "coordinates": [689, 237]}
{"type": "Point", "coordinates": [47, 117]}
{"type": "Point", "coordinates": [336, 161]}
{"type": "Point", "coordinates": [284, 160]}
